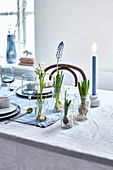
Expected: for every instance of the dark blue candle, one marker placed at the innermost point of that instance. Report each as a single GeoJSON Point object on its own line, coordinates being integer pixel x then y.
{"type": "Point", "coordinates": [93, 75]}
{"type": "Point", "coordinates": [94, 50]}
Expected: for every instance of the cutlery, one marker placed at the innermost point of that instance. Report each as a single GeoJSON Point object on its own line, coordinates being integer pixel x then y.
{"type": "Point", "coordinates": [28, 111]}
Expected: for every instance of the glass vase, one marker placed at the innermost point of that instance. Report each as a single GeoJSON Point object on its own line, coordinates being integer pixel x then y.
{"type": "Point", "coordinates": [11, 54]}
{"type": "Point", "coordinates": [84, 109]}
{"type": "Point", "coordinates": [57, 96]}
{"type": "Point", "coordinates": [67, 117]}
{"type": "Point", "coordinates": [41, 111]}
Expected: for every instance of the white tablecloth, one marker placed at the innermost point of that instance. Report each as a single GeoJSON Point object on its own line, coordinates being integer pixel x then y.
{"type": "Point", "coordinates": [88, 145]}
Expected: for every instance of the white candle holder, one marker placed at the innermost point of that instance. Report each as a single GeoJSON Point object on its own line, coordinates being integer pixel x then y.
{"type": "Point", "coordinates": [95, 101]}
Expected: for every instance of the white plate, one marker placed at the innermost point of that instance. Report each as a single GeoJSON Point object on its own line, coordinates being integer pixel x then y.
{"type": "Point", "coordinates": [11, 114]}
{"type": "Point", "coordinates": [6, 111]}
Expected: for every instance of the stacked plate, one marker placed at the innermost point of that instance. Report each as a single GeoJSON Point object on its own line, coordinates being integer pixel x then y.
{"type": "Point", "coordinates": [11, 111]}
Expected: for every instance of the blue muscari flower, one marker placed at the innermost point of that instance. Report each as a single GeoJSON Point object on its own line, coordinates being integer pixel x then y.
{"type": "Point", "coordinates": [60, 50]}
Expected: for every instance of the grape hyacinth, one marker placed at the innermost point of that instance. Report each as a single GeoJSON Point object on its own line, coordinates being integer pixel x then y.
{"type": "Point", "coordinates": [57, 81]}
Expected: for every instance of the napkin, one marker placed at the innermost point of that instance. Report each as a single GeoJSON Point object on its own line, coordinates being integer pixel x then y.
{"type": "Point", "coordinates": [47, 83]}
{"type": "Point", "coordinates": [4, 102]}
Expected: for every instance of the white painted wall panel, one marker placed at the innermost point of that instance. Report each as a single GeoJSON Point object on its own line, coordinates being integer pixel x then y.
{"type": "Point", "coordinates": [78, 24]}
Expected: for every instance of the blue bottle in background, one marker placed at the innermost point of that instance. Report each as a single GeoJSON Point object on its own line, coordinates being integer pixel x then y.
{"type": "Point", "coordinates": [11, 54]}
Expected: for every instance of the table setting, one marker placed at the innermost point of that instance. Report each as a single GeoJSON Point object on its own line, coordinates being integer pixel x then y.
{"type": "Point", "coordinates": [48, 101]}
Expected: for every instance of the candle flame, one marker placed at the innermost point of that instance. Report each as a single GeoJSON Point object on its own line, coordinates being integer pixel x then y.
{"type": "Point", "coordinates": [94, 47]}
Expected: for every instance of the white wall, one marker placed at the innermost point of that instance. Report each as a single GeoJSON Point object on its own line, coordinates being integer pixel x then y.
{"type": "Point", "coordinates": [78, 24]}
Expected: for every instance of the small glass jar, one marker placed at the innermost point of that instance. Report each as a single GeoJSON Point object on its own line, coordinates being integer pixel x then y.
{"type": "Point", "coordinates": [67, 118]}
{"type": "Point", "coordinates": [57, 97]}
{"type": "Point", "coordinates": [83, 111]}
{"type": "Point", "coordinates": [41, 111]}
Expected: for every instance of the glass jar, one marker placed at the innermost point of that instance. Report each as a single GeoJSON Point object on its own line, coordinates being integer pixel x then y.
{"type": "Point", "coordinates": [67, 117]}
{"type": "Point", "coordinates": [83, 111]}
{"type": "Point", "coordinates": [41, 111]}
{"type": "Point", "coordinates": [57, 97]}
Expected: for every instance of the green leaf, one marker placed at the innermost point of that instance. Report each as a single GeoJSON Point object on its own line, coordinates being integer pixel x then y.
{"type": "Point", "coordinates": [46, 96]}
{"type": "Point", "coordinates": [83, 87]}
{"type": "Point", "coordinates": [69, 103]}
